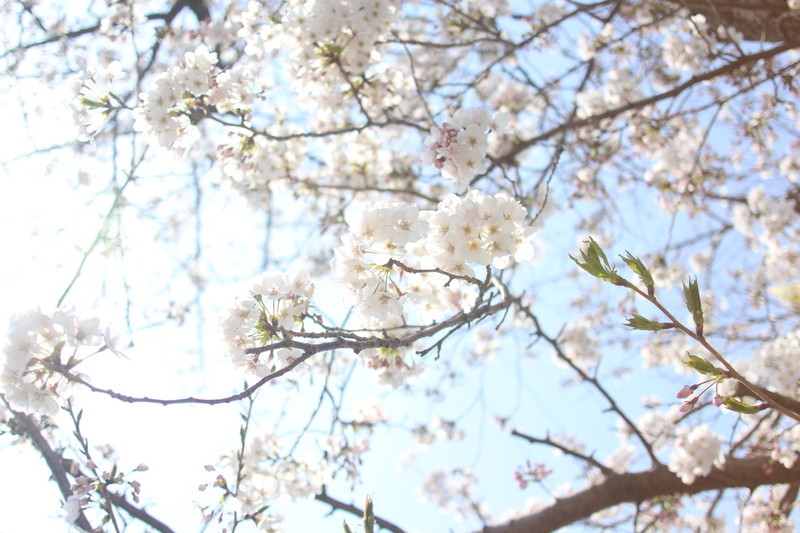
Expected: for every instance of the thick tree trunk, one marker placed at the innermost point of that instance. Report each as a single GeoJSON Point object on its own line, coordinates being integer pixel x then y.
{"type": "Point", "coordinates": [757, 20]}
{"type": "Point", "coordinates": [643, 486]}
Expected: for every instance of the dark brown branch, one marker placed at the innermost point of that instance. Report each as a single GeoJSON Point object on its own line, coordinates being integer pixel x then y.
{"type": "Point", "coordinates": [784, 401]}
{"type": "Point", "coordinates": [309, 349]}
{"type": "Point", "coordinates": [352, 509]}
{"type": "Point", "coordinates": [26, 425]}
{"type": "Point", "coordinates": [638, 487]}
{"type": "Point", "coordinates": [53, 38]}
{"type": "Point", "coordinates": [588, 459]}
{"type": "Point", "coordinates": [138, 513]}
{"type": "Point", "coordinates": [591, 380]}
{"type": "Point", "coordinates": [762, 20]}
{"type": "Point", "coordinates": [509, 157]}
{"type": "Point", "coordinates": [198, 7]}
{"type": "Point", "coordinates": [56, 463]}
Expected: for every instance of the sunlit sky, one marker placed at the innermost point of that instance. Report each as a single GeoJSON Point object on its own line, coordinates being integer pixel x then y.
{"type": "Point", "coordinates": [48, 222]}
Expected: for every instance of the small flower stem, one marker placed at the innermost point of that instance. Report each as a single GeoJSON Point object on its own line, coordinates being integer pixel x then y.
{"type": "Point", "coordinates": [700, 338]}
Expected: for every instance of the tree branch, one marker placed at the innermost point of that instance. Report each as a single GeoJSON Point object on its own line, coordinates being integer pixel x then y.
{"type": "Point", "coordinates": [510, 156]}
{"type": "Point", "coordinates": [27, 426]}
{"type": "Point", "coordinates": [352, 509]}
{"type": "Point", "coordinates": [55, 462]}
{"type": "Point", "coordinates": [642, 486]}
{"type": "Point", "coordinates": [309, 349]}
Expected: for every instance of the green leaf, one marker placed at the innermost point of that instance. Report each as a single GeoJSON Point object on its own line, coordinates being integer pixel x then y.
{"type": "Point", "coordinates": [95, 104]}
{"type": "Point", "coordinates": [739, 405]}
{"type": "Point", "coordinates": [639, 322]}
{"type": "Point", "coordinates": [693, 304]}
{"type": "Point", "coordinates": [636, 265]}
{"type": "Point", "coordinates": [702, 365]}
{"type": "Point", "coordinates": [259, 511]}
{"type": "Point", "coordinates": [56, 353]}
{"type": "Point", "coordinates": [595, 262]}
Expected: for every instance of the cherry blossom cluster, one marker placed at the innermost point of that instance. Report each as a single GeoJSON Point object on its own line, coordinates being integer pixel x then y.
{"type": "Point", "coordinates": [485, 345]}
{"type": "Point", "coordinates": [696, 452]}
{"type": "Point", "coordinates": [164, 111]}
{"type": "Point", "coordinates": [771, 225]}
{"type": "Point", "coordinates": [398, 262]}
{"type": "Point", "coordinates": [122, 17]}
{"type": "Point", "coordinates": [368, 412]}
{"type": "Point", "coordinates": [452, 492]}
{"type": "Point", "coordinates": [690, 41]}
{"type": "Point", "coordinates": [254, 164]}
{"type": "Point", "coordinates": [36, 343]}
{"type": "Point", "coordinates": [377, 236]}
{"type": "Point", "coordinates": [85, 493]}
{"type": "Point", "coordinates": [477, 228]}
{"type": "Point", "coordinates": [774, 366]}
{"type": "Point", "coordinates": [276, 303]}
{"type": "Point", "coordinates": [762, 515]}
{"type": "Point", "coordinates": [441, 430]}
{"type": "Point", "coordinates": [168, 112]}
{"type": "Point", "coordinates": [328, 41]}
{"type": "Point", "coordinates": [531, 473]}
{"type": "Point", "coordinates": [622, 87]}
{"type": "Point", "coordinates": [266, 475]}
{"type": "Point", "coordinates": [458, 147]}
{"type": "Point", "coordinates": [671, 149]}
{"type": "Point", "coordinates": [787, 447]}
{"type": "Point", "coordinates": [92, 99]}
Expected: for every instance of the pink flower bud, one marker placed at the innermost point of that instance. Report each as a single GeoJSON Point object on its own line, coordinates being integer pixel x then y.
{"type": "Point", "coordinates": [686, 391]}
{"type": "Point", "coordinates": [687, 405]}
{"type": "Point", "coordinates": [142, 468]}
{"type": "Point", "coordinates": [717, 400]}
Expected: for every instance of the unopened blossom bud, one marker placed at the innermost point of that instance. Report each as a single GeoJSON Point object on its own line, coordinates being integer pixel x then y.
{"type": "Point", "coordinates": [717, 400]}
{"type": "Point", "coordinates": [686, 391]}
{"type": "Point", "coordinates": [688, 405]}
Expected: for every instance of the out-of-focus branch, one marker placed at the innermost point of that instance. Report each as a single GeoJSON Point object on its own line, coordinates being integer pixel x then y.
{"type": "Point", "coordinates": [765, 20]}
{"type": "Point", "coordinates": [53, 38]}
{"type": "Point", "coordinates": [510, 157]}
{"type": "Point", "coordinates": [198, 7]}
{"type": "Point", "coordinates": [352, 509]}
{"type": "Point", "coordinates": [779, 399]}
{"type": "Point", "coordinates": [55, 462]}
{"type": "Point", "coordinates": [588, 459]}
{"type": "Point", "coordinates": [139, 513]}
{"type": "Point", "coordinates": [638, 487]}
{"type": "Point", "coordinates": [613, 405]}
{"type": "Point", "coordinates": [26, 425]}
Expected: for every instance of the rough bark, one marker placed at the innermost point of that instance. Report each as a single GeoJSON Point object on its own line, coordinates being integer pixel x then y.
{"type": "Point", "coordinates": [759, 20]}
{"type": "Point", "coordinates": [642, 486]}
